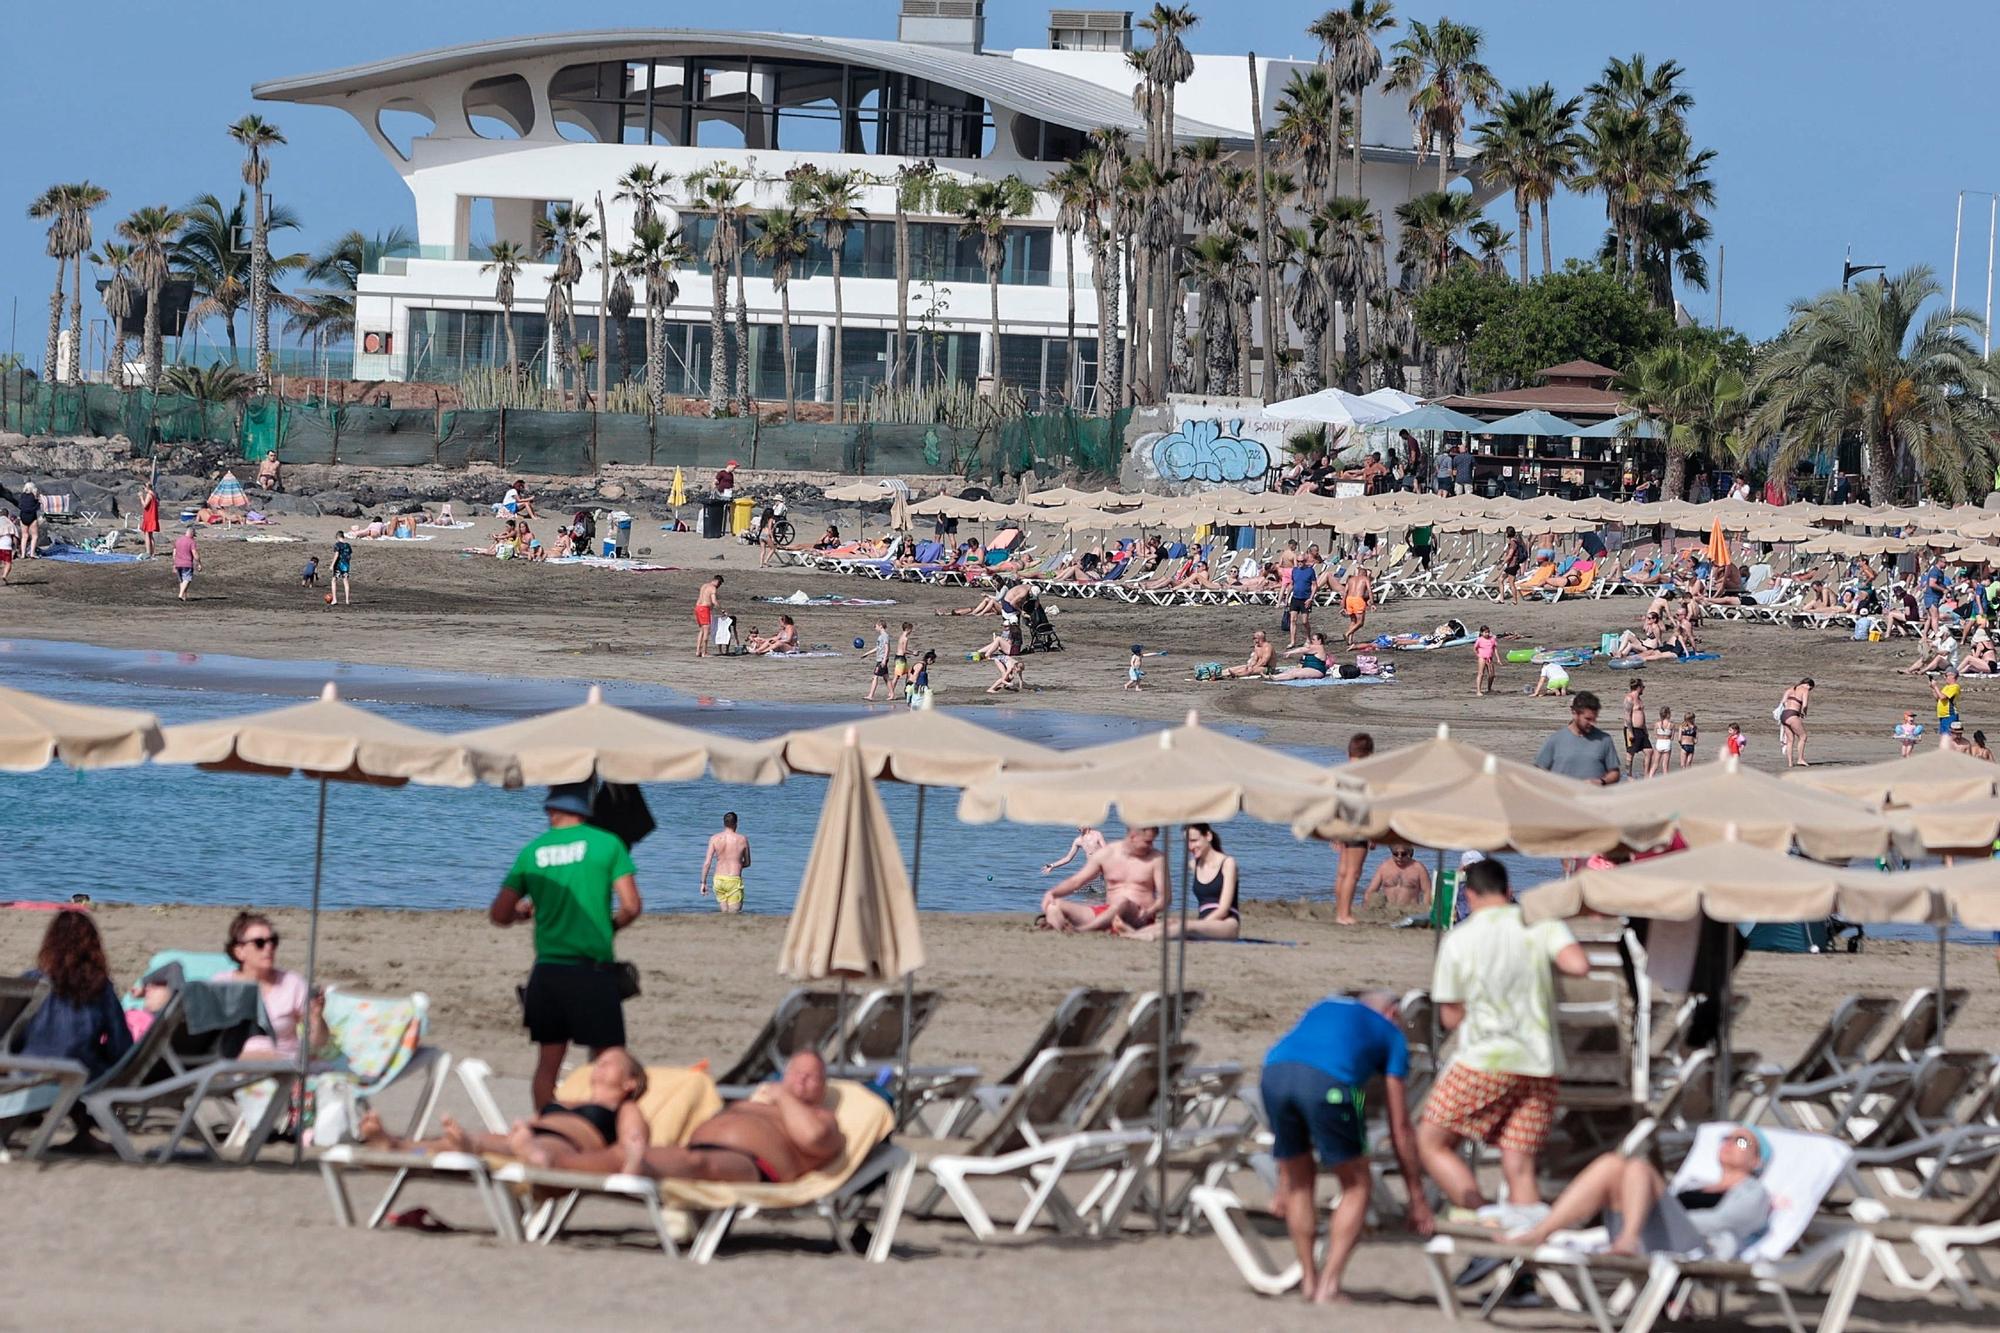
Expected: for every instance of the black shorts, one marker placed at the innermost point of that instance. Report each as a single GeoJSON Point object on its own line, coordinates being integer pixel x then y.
{"type": "Point", "coordinates": [574, 1002]}
{"type": "Point", "coordinates": [1636, 740]}
{"type": "Point", "coordinates": [1300, 605]}
{"type": "Point", "coordinates": [881, 671]}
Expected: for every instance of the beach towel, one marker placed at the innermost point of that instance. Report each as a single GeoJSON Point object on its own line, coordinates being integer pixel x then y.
{"type": "Point", "coordinates": [865, 1120]}
{"type": "Point", "coordinates": [817, 650]}
{"type": "Point", "coordinates": [273, 537]}
{"type": "Point", "coordinates": [677, 1100]}
{"type": "Point", "coordinates": [1336, 680]}
{"type": "Point", "coordinates": [801, 599]}
{"type": "Point", "coordinates": [77, 555]}
{"type": "Point", "coordinates": [1425, 646]}
{"type": "Point", "coordinates": [465, 523]}
{"type": "Point", "coordinates": [1634, 663]}
{"type": "Point", "coordinates": [618, 563]}
{"type": "Point", "coordinates": [391, 537]}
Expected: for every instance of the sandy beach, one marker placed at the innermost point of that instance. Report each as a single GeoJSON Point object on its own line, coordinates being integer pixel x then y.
{"type": "Point", "coordinates": [709, 982]}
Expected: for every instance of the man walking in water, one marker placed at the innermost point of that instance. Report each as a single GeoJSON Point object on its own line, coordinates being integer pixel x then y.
{"type": "Point", "coordinates": [1135, 886]}
{"type": "Point", "coordinates": [706, 605]}
{"type": "Point", "coordinates": [729, 856]}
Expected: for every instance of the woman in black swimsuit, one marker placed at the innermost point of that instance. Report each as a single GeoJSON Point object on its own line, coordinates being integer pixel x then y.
{"type": "Point", "coordinates": [1792, 722]}
{"type": "Point", "coordinates": [1212, 877]}
{"type": "Point", "coordinates": [560, 1135]}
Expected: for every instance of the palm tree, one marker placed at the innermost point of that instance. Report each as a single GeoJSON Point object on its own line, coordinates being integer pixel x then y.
{"type": "Point", "coordinates": [985, 208]}
{"type": "Point", "coordinates": [1432, 225]}
{"type": "Point", "coordinates": [1668, 246]}
{"type": "Point", "coordinates": [117, 298]}
{"type": "Point", "coordinates": [1071, 188]}
{"type": "Point", "coordinates": [328, 310]}
{"type": "Point", "coordinates": [1861, 362]}
{"type": "Point", "coordinates": [68, 208]}
{"type": "Point", "coordinates": [1346, 231]}
{"type": "Point", "coordinates": [504, 260]}
{"type": "Point", "coordinates": [150, 231]}
{"type": "Point", "coordinates": [1440, 69]}
{"type": "Point", "coordinates": [1636, 152]}
{"type": "Point", "coordinates": [206, 253]}
{"type": "Point", "coordinates": [783, 239]}
{"type": "Point", "coordinates": [644, 186]}
{"type": "Point", "coordinates": [1165, 65]}
{"type": "Point", "coordinates": [656, 252]}
{"type": "Point", "coordinates": [568, 231]}
{"type": "Point", "coordinates": [1302, 130]}
{"type": "Point", "coordinates": [1529, 146]}
{"type": "Point", "coordinates": [1311, 306]}
{"type": "Point", "coordinates": [86, 197]}
{"type": "Point", "coordinates": [917, 186]}
{"type": "Point", "coordinates": [715, 191]}
{"type": "Point", "coordinates": [1693, 395]}
{"type": "Point", "coordinates": [258, 136]}
{"type": "Point", "coordinates": [1113, 161]}
{"type": "Point", "coordinates": [52, 204]}
{"type": "Point", "coordinates": [833, 200]}
{"type": "Point", "coordinates": [220, 382]}
{"type": "Point", "coordinates": [1490, 241]}
{"type": "Point", "coordinates": [1216, 267]}
{"type": "Point", "coordinates": [1359, 63]}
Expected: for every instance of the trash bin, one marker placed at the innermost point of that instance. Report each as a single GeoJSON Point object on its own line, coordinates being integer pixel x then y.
{"type": "Point", "coordinates": [621, 530]}
{"type": "Point", "coordinates": [713, 518]}
{"type": "Point", "coordinates": [744, 508]}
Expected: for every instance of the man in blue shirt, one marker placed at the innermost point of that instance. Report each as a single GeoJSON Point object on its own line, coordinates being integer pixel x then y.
{"type": "Point", "coordinates": [1312, 1085]}
{"type": "Point", "coordinates": [1298, 612]}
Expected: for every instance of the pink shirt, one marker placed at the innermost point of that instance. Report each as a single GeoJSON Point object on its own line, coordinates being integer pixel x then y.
{"type": "Point", "coordinates": [1485, 645]}
{"type": "Point", "coordinates": [184, 551]}
{"type": "Point", "coordinates": [285, 1004]}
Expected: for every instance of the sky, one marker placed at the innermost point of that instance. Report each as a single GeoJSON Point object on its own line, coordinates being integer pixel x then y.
{"type": "Point", "coordinates": [1836, 122]}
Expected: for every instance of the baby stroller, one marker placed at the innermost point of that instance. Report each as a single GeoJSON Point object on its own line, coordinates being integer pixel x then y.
{"type": "Point", "coordinates": [1042, 636]}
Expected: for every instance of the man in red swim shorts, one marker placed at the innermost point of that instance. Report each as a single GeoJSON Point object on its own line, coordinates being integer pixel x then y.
{"type": "Point", "coordinates": [1135, 886]}
{"type": "Point", "coordinates": [705, 607]}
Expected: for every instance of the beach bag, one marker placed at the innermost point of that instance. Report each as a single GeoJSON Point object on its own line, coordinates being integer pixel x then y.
{"type": "Point", "coordinates": [1778, 715]}
{"type": "Point", "coordinates": [1367, 664]}
{"type": "Point", "coordinates": [1608, 643]}
{"type": "Point", "coordinates": [1208, 671]}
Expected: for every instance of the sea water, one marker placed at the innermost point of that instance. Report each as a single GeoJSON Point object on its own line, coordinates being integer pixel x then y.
{"type": "Point", "coordinates": [172, 834]}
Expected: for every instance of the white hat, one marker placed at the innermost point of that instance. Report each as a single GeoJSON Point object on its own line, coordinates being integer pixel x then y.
{"type": "Point", "coordinates": [1470, 858]}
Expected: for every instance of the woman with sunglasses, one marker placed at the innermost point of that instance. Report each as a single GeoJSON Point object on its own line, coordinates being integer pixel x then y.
{"type": "Point", "coordinates": [1715, 1221]}
{"type": "Point", "coordinates": [253, 944]}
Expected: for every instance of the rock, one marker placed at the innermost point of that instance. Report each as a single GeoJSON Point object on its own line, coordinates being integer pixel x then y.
{"type": "Point", "coordinates": [284, 504]}
{"type": "Point", "coordinates": [611, 490]}
{"type": "Point", "coordinates": [337, 503]}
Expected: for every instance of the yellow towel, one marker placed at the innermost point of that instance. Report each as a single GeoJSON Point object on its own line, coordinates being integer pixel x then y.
{"type": "Point", "coordinates": [677, 1099]}
{"type": "Point", "coordinates": [864, 1118]}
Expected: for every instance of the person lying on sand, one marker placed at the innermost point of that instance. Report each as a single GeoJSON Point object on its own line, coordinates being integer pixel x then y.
{"type": "Point", "coordinates": [786, 640]}
{"type": "Point", "coordinates": [609, 1122]}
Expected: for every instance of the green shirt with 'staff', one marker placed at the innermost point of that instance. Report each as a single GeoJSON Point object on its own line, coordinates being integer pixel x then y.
{"type": "Point", "coordinates": [568, 873]}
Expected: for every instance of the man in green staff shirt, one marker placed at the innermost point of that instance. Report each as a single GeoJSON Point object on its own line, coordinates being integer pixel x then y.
{"type": "Point", "coordinates": [564, 881]}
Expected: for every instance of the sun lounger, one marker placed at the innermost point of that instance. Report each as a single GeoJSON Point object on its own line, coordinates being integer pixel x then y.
{"type": "Point", "coordinates": [1949, 1219]}
{"type": "Point", "coordinates": [948, 1094]}
{"type": "Point", "coordinates": [804, 1020]}
{"type": "Point", "coordinates": [836, 1193]}
{"type": "Point", "coordinates": [1916, 1026]}
{"type": "Point", "coordinates": [874, 1033]}
{"type": "Point", "coordinates": [20, 997]}
{"type": "Point", "coordinates": [1878, 1106]}
{"type": "Point", "coordinates": [34, 1091]}
{"type": "Point", "coordinates": [1784, 1259]}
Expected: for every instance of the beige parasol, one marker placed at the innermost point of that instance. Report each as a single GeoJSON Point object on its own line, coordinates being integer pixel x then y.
{"type": "Point", "coordinates": [35, 731]}
{"type": "Point", "coordinates": [1971, 889]}
{"type": "Point", "coordinates": [1428, 763]}
{"type": "Point", "coordinates": [1931, 777]}
{"type": "Point", "coordinates": [1206, 751]}
{"type": "Point", "coordinates": [918, 745]}
{"type": "Point", "coordinates": [857, 492]}
{"type": "Point", "coordinates": [1155, 788]}
{"type": "Point", "coordinates": [596, 739]}
{"type": "Point", "coordinates": [1498, 809]}
{"type": "Point", "coordinates": [854, 916]}
{"type": "Point", "coordinates": [330, 738]}
{"type": "Point", "coordinates": [899, 509]}
{"type": "Point", "coordinates": [1704, 803]}
{"type": "Point", "coordinates": [1971, 825]}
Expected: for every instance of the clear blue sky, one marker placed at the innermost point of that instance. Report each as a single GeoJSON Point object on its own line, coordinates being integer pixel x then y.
{"type": "Point", "coordinates": [1836, 121]}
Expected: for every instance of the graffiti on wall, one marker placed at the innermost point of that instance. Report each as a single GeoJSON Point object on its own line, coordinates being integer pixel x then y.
{"type": "Point", "coordinates": [1206, 451]}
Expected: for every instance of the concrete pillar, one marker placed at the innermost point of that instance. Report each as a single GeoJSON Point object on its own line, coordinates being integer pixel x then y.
{"type": "Point", "coordinates": [823, 364]}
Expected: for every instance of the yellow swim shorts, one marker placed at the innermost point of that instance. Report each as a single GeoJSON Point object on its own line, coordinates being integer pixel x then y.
{"type": "Point", "coordinates": [729, 889]}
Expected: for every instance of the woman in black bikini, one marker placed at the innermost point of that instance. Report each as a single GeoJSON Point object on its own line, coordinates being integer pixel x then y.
{"type": "Point", "coordinates": [1212, 875]}
{"type": "Point", "coordinates": [1792, 722]}
{"type": "Point", "coordinates": [560, 1135]}
{"type": "Point", "coordinates": [1690, 737]}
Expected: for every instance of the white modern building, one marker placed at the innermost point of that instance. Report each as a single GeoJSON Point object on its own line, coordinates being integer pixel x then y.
{"type": "Point", "coordinates": [491, 134]}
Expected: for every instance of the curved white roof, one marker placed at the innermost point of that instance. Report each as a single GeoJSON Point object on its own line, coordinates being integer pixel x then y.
{"type": "Point", "coordinates": [1060, 99]}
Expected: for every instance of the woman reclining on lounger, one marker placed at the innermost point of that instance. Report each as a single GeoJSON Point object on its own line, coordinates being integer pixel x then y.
{"type": "Point", "coordinates": [1715, 1222]}
{"type": "Point", "coordinates": [560, 1135]}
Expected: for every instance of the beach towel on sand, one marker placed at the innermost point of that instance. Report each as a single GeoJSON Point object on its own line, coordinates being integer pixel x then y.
{"type": "Point", "coordinates": [1335, 680]}
{"type": "Point", "coordinates": [1634, 663]}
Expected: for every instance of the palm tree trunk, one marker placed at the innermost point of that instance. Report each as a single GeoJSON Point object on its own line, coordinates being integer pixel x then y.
{"type": "Point", "coordinates": [785, 345]}
{"type": "Point", "coordinates": [604, 299]}
{"type": "Point", "coordinates": [76, 321]}
{"type": "Point", "coordinates": [1128, 312]}
{"type": "Point", "coordinates": [1181, 359]}
{"type": "Point", "coordinates": [52, 354]}
{"type": "Point", "coordinates": [839, 330]}
{"type": "Point", "coordinates": [1069, 321]}
{"type": "Point", "coordinates": [1104, 278]}
{"type": "Point", "coordinates": [1881, 468]}
{"type": "Point", "coordinates": [652, 381]}
{"type": "Point", "coordinates": [574, 350]}
{"type": "Point", "coordinates": [1521, 233]}
{"type": "Point", "coordinates": [235, 353]}
{"type": "Point", "coordinates": [1673, 483]}
{"type": "Point", "coordinates": [260, 269]}
{"type": "Point", "coordinates": [742, 335]}
{"type": "Point", "coordinates": [513, 351]}
{"type": "Point", "coordinates": [718, 334]}
{"type": "Point", "coordinates": [1359, 193]}
{"type": "Point", "coordinates": [1330, 188]}
{"type": "Point", "coordinates": [993, 333]}
{"type": "Point", "coordinates": [624, 350]}
{"type": "Point", "coordinates": [1548, 261]}
{"type": "Point", "coordinates": [1142, 337]}
{"type": "Point", "coordinates": [152, 334]}
{"type": "Point", "coordinates": [897, 352]}
{"type": "Point", "coordinates": [1267, 292]}
{"type": "Point", "coordinates": [1445, 153]}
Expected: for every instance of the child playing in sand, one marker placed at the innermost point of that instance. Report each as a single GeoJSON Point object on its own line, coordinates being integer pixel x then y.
{"type": "Point", "coordinates": [1486, 652]}
{"type": "Point", "coordinates": [309, 577]}
{"type": "Point", "coordinates": [1732, 744]}
{"type": "Point", "coordinates": [1133, 674]}
{"type": "Point", "coordinates": [920, 683]}
{"type": "Point", "coordinates": [1907, 733]}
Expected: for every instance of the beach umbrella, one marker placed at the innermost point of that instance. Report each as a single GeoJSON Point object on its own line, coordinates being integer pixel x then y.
{"type": "Point", "coordinates": [1730, 800]}
{"type": "Point", "coordinates": [329, 740]}
{"type": "Point", "coordinates": [1977, 554]}
{"type": "Point", "coordinates": [678, 496]}
{"type": "Point", "coordinates": [1334, 407]}
{"type": "Point", "coordinates": [1496, 809]}
{"type": "Point", "coordinates": [1631, 426]}
{"type": "Point", "coordinates": [1717, 549]}
{"type": "Point", "coordinates": [1059, 495]}
{"type": "Point", "coordinates": [855, 916]}
{"type": "Point", "coordinates": [858, 492]}
{"type": "Point", "coordinates": [1536, 422]}
{"type": "Point", "coordinates": [1434, 416]}
{"type": "Point", "coordinates": [35, 731]}
{"type": "Point", "coordinates": [594, 739]}
{"type": "Point", "coordinates": [1929, 777]}
{"type": "Point", "coordinates": [924, 748]}
{"type": "Point", "coordinates": [228, 494]}
{"type": "Point", "coordinates": [899, 509]}
{"type": "Point", "coordinates": [1952, 826]}
{"type": "Point", "coordinates": [1171, 777]}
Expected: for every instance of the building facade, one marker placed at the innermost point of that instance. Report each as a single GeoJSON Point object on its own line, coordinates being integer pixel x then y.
{"type": "Point", "coordinates": [491, 135]}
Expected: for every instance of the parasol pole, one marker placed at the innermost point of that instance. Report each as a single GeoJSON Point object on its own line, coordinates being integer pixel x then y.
{"type": "Point", "coordinates": [909, 980]}
{"type": "Point", "coordinates": [1943, 926]}
{"type": "Point", "coordinates": [312, 971]}
{"type": "Point", "coordinates": [1180, 958]}
{"type": "Point", "coordinates": [1725, 1084]}
{"type": "Point", "coordinates": [1164, 1093]}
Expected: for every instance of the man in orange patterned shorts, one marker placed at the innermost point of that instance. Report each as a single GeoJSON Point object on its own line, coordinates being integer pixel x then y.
{"type": "Point", "coordinates": [1495, 988]}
